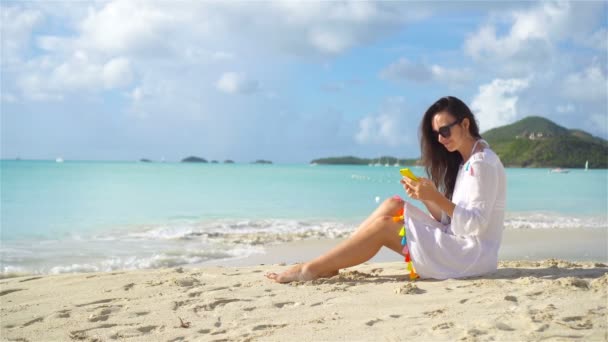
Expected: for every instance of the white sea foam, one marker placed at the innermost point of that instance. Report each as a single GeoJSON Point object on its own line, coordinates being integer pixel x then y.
{"type": "Point", "coordinates": [554, 221]}
{"type": "Point", "coordinates": [193, 242]}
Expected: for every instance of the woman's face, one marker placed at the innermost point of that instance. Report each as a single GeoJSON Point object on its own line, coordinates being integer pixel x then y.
{"type": "Point", "coordinates": [453, 132]}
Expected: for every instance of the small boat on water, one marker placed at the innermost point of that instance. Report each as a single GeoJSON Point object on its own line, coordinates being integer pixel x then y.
{"type": "Point", "coordinates": [559, 170]}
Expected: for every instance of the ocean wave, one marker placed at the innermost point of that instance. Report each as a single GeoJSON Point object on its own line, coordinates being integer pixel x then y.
{"type": "Point", "coordinates": [554, 221]}
{"type": "Point", "coordinates": [235, 231]}
{"type": "Point", "coordinates": [169, 258]}
{"type": "Point", "coordinates": [193, 242]}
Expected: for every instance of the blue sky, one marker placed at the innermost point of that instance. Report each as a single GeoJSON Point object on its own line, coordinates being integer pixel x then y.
{"type": "Point", "coordinates": [286, 81]}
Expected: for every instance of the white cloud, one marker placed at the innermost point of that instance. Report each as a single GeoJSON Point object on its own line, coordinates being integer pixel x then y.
{"type": "Point", "coordinates": [120, 27]}
{"type": "Point", "coordinates": [129, 41]}
{"type": "Point", "coordinates": [137, 94]}
{"type": "Point", "coordinates": [117, 73]}
{"type": "Point", "coordinates": [385, 127]}
{"type": "Point", "coordinates": [301, 28]}
{"type": "Point", "coordinates": [496, 102]}
{"type": "Point", "coordinates": [533, 35]}
{"type": "Point", "coordinates": [237, 83]}
{"type": "Point", "coordinates": [587, 85]}
{"type": "Point", "coordinates": [403, 69]}
{"type": "Point", "coordinates": [16, 25]}
{"type": "Point", "coordinates": [47, 81]}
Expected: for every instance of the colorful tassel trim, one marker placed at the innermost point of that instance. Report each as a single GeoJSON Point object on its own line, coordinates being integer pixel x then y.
{"type": "Point", "coordinates": [406, 251]}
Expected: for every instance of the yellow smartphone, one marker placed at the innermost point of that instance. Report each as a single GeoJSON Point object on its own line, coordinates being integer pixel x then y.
{"type": "Point", "coordinates": [409, 174]}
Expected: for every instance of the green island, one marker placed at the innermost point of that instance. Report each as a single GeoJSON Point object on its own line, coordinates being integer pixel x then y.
{"type": "Point", "coordinates": [531, 142]}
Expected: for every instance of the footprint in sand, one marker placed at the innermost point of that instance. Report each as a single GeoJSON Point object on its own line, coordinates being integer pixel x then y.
{"type": "Point", "coordinates": [572, 282]}
{"type": "Point", "coordinates": [218, 288]}
{"type": "Point", "coordinates": [139, 314]}
{"type": "Point", "coordinates": [29, 279]}
{"type": "Point", "coordinates": [541, 316]}
{"type": "Point", "coordinates": [187, 282]}
{"type": "Point", "coordinates": [103, 301]}
{"type": "Point", "coordinates": [128, 286]}
{"type": "Point", "coordinates": [443, 326]}
{"type": "Point", "coordinates": [177, 339]}
{"type": "Point", "coordinates": [511, 299]}
{"type": "Point", "coordinates": [36, 320]}
{"type": "Point", "coordinates": [82, 334]}
{"type": "Point", "coordinates": [504, 327]}
{"type": "Point", "coordinates": [434, 313]}
{"type": "Point", "coordinates": [576, 322]}
{"type": "Point", "coordinates": [195, 294]}
{"type": "Point", "coordinates": [5, 292]}
{"type": "Point", "coordinates": [219, 332]}
{"type": "Point", "coordinates": [180, 303]}
{"type": "Point", "coordinates": [268, 326]}
{"type": "Point", "coordinates": [373, 321]}
{"type": "Point", "coordinates": [476, 332]}
{"type": "Point", "coordinates": [218, 303]}
{"type": "Point", "coordinates": [409, 288]}
{"type": "Point", "coordinates": [62, 314]}
{"type": "Point", "coordinates": [285, 304]}
{"type": "Point", "coordinates": [105, 313]}
{"type": "Point", "coordinates": [133, 332]}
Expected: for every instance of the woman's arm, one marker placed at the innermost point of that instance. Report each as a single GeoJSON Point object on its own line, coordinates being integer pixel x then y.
{"type": "Point", "coordinates": [425, 190]}
{"type": "Point", "coordinates": [433, 209]}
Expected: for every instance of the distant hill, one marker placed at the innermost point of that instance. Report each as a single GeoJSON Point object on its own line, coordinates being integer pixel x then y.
{"type": "Point", "coordinates": [262, 161]}
{"type": "Point", "coordinates": [531, 142]}
{"type": "Point", "coordinates": [194, 159]}
{"type": "Point", "coordinates": [538, 142]}
{"type": "Point", "coordinates": [350, 160]}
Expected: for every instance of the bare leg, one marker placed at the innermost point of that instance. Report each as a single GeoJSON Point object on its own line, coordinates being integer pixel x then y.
{"type": "Point", "coordinates": [390, 207]}
{"type": "Point", "coordinates": [377, 231]}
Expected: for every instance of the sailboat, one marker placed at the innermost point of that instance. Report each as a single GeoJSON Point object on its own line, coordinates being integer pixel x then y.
{"type": "Point", "coordinates": [586, 165]}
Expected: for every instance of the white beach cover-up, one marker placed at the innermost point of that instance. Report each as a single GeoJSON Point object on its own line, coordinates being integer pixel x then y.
{"type": "Point", "coordinates": [468, 245]}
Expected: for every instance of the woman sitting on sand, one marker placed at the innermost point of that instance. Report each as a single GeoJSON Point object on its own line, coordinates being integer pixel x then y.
{"type": "Point", "coordinates": [462, 234]}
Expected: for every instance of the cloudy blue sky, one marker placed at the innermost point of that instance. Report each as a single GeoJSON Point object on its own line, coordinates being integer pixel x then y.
{"type": "Point", "coordinates": [286, 81]}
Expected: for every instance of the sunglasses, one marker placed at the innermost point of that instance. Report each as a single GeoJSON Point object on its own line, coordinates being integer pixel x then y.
{"type": "Point", "coordinates": [445, 131]}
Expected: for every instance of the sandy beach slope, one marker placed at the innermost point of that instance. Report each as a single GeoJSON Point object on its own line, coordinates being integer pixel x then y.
{"type": "Point", "coordinates": [523, 300]}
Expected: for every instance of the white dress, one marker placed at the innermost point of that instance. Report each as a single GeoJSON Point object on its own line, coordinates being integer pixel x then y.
{"type": "Point", "coordinates": [468, 245]}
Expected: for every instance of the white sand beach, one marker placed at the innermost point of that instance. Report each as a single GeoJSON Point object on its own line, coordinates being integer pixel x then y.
{"type": "Point", "coordinates": [523, 300]}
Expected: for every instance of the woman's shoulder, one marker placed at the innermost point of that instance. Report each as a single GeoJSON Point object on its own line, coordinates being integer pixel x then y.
{"type": "Point", "coordinates": [486, 156]}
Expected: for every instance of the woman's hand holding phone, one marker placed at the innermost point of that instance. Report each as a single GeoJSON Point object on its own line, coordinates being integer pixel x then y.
{"type": "Point", "coordinates": [417, 187]}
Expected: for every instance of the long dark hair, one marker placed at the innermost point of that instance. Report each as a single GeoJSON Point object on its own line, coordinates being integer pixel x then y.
{"type": "Point", "coordinates": [440, 164]}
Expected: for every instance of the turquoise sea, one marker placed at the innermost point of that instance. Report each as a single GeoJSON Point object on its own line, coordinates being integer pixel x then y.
{"type": "Point", "coordinates": [79, 216]}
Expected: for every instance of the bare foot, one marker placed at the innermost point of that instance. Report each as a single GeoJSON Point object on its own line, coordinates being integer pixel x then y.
{"type": "Point", "coordinates": [297, 273]}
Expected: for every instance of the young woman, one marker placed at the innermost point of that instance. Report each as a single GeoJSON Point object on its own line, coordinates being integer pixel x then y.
{"type": "Point", "coordinates": [465, 196]}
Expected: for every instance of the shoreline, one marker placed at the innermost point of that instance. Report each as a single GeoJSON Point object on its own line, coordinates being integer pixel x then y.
{"type": "Point", "coordinates": [518, 244]}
